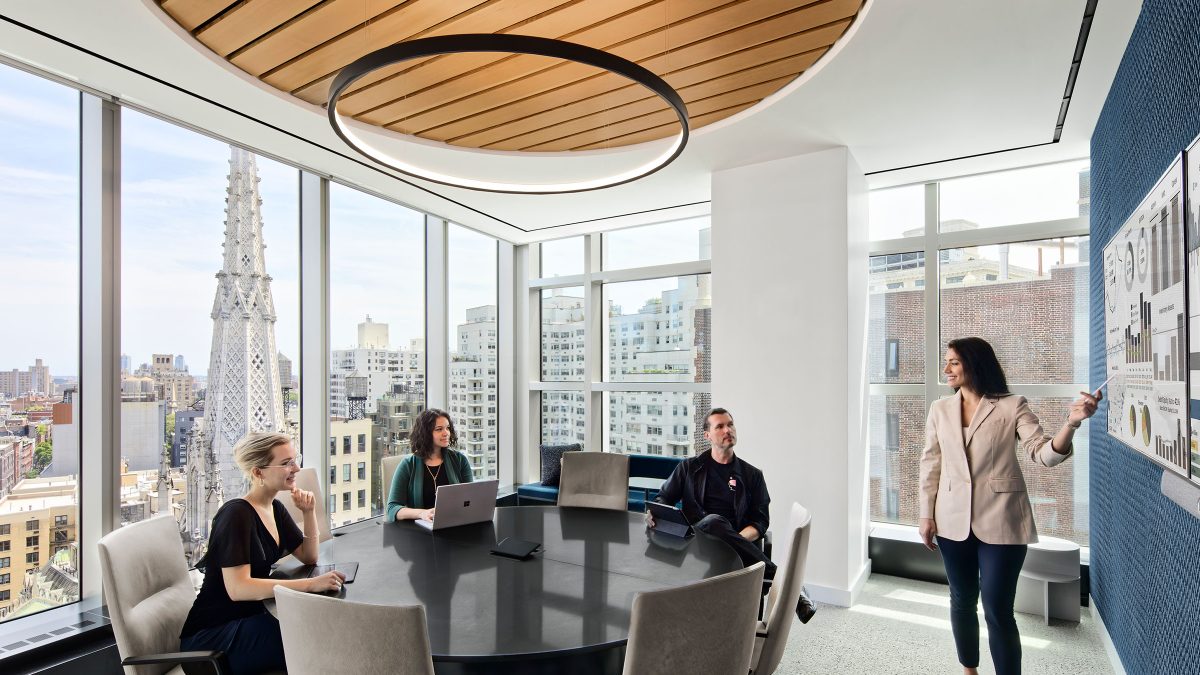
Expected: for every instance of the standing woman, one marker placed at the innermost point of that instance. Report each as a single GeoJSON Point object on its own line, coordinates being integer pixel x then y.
{"type": "Point", "coordinates": [247, 536]}
{"type": "Point", "coordinates": [973, 497]}
{"type": "Point", "coordinates": [433, 462]}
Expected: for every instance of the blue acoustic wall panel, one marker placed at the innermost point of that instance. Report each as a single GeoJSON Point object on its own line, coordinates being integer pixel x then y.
{"type": "Point", "coordinates": [1145, 572]}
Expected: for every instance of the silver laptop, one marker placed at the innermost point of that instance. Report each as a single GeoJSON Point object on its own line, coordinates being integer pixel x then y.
{"type": "Point", "coordinates": [463, 504]}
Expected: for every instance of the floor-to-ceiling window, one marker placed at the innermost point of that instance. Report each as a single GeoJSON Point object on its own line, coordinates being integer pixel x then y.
{"type": "Point", "coordinates": [210, 300]}
{"type": "Point", "coordinates": [39, 344]}
{"type": "Point", "coordinates": [377, 342]}
{"type": "Point", "coordinates": [473, 382]}
{"type": "Point", "coordinates": [1002, 256]}
{"type": "Point", "coordinates": [635, 378]}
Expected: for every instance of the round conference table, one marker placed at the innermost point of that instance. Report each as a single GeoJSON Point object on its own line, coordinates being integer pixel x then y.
{"type": "Point", "coordinates": [567, 609]}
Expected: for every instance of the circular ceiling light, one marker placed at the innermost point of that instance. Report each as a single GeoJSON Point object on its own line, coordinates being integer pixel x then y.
{"type": "Point", "coordinates": [510, 44]}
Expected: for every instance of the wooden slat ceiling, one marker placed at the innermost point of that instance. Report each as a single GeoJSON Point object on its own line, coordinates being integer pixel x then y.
{"type": "Point", "coordinates": [723, 56]}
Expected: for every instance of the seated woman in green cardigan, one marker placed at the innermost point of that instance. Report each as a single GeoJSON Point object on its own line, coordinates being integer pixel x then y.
{"type": "Point", "coordinates": [432, 463]}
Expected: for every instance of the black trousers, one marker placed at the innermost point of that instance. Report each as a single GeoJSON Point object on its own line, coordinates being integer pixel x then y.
{"type": "Point", "coordinates": [972, 566]}
{"type": "Point", "coordinates": [748, 551]}
{"type": "Point", "coordinates": [252, 645]}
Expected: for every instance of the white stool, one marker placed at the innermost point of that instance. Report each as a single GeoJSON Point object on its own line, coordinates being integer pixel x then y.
{"type": "Point", "coordinates": [1049, 581]}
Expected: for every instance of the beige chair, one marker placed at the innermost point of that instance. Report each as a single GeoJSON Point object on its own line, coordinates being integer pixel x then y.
{"type": "Point", "coordinates": [331, 635]}
{"type": "Point", "coordinates": [149, 595]}
{"type": "Point", "coordinates": [598, 480]}
{"type": "Point", "coordinates": [785, 593]}
{"type": "Point", "coordinates": [390, 464]}
{"type": "Point", "coordinates": [673, 630]}
{"type": "Point", "coordinates": [307, 479]}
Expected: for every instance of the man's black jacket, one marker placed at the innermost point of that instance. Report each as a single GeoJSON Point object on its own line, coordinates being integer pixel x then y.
{"type": "Point", "coordinates": [688, 481]}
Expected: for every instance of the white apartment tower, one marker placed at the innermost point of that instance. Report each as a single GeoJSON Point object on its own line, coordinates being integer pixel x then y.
{"type": "Point", "coordinates": [473, 394]}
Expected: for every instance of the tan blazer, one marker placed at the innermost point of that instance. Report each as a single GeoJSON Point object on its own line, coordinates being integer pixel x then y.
{"type": "Point", "coordinates": [975, 483]}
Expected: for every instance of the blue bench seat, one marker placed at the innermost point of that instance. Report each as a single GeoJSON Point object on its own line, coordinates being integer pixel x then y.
{"type": "Point", "coordinates": [643, 466]}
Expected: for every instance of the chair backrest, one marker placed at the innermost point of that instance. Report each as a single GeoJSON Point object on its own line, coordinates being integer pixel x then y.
{"type": "Point", "coordinates": [146, 588]}
{"type": "Point", "coordinates": [705, 627]}
{"type": "Point", "coordinates": [598, 480]}
{"type": "Point", "coordinates": [653, 466]}
{"type": "Point", "coordinates": [389, 466]}
{"type": "Point", "coordinates": [331, 635]}
{"type": "Point", "coordinates": [307, 479]}
{"type": "Point", "coordinates": [785, 593]}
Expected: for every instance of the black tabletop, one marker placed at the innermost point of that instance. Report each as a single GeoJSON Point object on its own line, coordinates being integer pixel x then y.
{"type": "Point", "coordinates": [575, 595]}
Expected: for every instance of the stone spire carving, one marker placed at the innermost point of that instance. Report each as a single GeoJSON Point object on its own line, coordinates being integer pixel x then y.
{"type": "Point", "coordinates": [244, 393]}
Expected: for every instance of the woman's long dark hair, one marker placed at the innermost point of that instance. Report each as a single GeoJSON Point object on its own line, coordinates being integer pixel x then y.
{"type": "Point", "coordinates": [422, 432]}
{"type": "Point", "coordinates": [979, 363]}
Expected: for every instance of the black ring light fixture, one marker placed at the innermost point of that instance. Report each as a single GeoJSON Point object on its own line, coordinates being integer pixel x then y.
{"type": "Point", "coordinates": [510, 44]}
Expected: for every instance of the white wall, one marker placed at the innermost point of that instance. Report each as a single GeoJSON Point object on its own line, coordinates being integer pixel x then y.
{"type": "Point", "coordinates": [789, 262]}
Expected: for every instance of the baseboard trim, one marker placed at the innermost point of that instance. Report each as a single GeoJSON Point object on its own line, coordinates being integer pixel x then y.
{"type": "Point", "coordinates": [842, 597]}
{"type": "Point", "coordinates": [1114, 658]}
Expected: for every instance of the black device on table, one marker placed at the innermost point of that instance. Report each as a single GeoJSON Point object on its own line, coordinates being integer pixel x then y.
{"type": "Point", "coordinates": [519, 549]}
{"type": "Point", "coordinates": [669, 520]}
{"type": "Point", "coordinates": [348, 568]}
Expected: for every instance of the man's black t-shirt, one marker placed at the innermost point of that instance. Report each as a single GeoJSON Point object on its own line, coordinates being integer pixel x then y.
{"type": "Point", "coordinates": [719, 498]}
{"type": "Point", "coordinates": [238, 537]}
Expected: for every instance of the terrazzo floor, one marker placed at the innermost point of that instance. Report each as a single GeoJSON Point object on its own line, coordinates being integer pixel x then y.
{"type": "Point", "coordinates": [903, 626]}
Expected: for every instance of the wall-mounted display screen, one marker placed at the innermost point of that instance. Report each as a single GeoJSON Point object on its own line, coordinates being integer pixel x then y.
{"type": "Point", "coordinates": [1145, 327]}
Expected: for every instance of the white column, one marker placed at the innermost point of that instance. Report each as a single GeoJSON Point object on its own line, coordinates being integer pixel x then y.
{"type": "Point", "coordinates": [314, 325]}
{"type": "Point", "coordinates": [437, 339]}
{"type": "Point", "coordinates": [100, 331]}
{"type": "Point", "coordinates": [789, 262]}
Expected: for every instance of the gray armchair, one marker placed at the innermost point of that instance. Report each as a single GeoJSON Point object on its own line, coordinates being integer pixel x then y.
{"type": "Point", "coordinates": [330, 635]}
{"type": "Point", "coordinates": [781, 600]}
{"type": "Point", "coordinates": [598, 480]}
{"type": "Point", "coordinates": [672, 630]}
{"type": "Point", "coordinates": [149, 595]}
{"type": "Point", "coordinates": [307, 479]}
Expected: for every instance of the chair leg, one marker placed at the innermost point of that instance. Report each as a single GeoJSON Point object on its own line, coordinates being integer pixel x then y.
{"type": "Point", "coordinates": [1046, 601]}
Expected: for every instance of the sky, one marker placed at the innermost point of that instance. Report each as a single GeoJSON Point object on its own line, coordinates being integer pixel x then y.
{"type": "Point", "coordinates": [659, 244]}
{"type": "Point", "coordinates": [1034, 194]}
{"type": "Point", "coordinates": [173, 198]}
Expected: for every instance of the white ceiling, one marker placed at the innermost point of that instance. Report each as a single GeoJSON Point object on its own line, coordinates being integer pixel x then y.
{"type": "Point", "coordinates": [913, 82]}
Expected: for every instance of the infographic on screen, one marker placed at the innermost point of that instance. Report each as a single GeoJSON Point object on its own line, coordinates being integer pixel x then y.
{"type": "Point", "coordinates": [1192, 228]}
{"type": "Point", "coordinates": [1145, 328]}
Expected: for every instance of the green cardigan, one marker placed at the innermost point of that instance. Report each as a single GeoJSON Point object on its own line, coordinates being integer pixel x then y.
{"type": "Point", "coordinates": [408, 484]}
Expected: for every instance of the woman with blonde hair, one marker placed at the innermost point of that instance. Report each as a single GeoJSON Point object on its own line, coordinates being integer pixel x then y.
{"type": "Point", "coordinates": [247, 536]}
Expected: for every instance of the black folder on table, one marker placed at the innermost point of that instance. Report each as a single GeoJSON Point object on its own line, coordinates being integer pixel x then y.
{"type": "Point", "coordinates": [511, 547]}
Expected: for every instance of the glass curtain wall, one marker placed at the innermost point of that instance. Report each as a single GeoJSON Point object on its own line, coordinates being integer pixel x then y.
{"type": "Point", "coordinates": [1012, 268]}
{"type": "Point", "coordinates": [471, 290]}
{"type": "Point", "coordinates": [210, 301]}
{"type": "Point", "coordinates": [644, 370]}
{"type": "Point", "coordinates": [39, 347]}
{"type": "Point", "coordinates": [377, 345]}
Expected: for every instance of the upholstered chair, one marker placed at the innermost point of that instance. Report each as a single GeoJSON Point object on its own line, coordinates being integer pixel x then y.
{"type": "Point", "coordinates": [598, 480]}
{"type": "Point", "coordinates": [703, 627]}
{"type": "Point", "coordinates": [149, 595]}
{"type": "Point", "coordinates": [333, 635]}
{"type": "Point", "coordinates": [785, 592]}
{"type": "Point", "coordinates": [307, 479]}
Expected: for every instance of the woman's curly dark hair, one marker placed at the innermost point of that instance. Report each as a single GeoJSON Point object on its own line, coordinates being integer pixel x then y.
{"type": "Point", "coordinates": [979, 363]}
{"type": "Point", "coordinates": [422, 432]}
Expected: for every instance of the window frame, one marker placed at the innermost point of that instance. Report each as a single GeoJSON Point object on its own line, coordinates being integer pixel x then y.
{"type": "Point", "coordinates": [931, 243]}
{"type": "Point", "coordinates": [593, 386]}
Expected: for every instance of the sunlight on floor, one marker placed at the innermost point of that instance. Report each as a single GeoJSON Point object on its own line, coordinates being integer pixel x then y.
{"type": "Point", "coordinates": [931, 622]}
